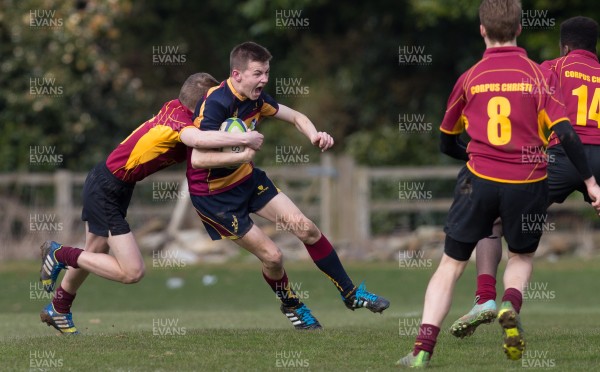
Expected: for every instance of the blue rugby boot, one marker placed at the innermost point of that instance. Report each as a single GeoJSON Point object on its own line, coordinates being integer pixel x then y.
{"type": "Point", "coordinates": [62, 322]}
{"type": "Point", "coordinates": [301, 317]}
{"type": "Point", "coordinates": [363, 298]}
{"type": "Point", "coordinates": [50, 265]}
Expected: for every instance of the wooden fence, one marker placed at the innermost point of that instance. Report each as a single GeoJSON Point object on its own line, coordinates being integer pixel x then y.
{"type": "Point", "coordinates": [336, 193]}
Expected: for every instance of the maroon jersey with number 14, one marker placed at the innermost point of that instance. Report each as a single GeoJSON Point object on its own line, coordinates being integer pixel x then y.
{"type": "Point", "coordinates": [507, 104]}
{"type": "Point", "coordinates": [578, 75]}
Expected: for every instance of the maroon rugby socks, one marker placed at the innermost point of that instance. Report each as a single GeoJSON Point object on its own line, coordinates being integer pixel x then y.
{"type": "Point", "coordinates": [68, 256]}
{"type": "Point", "coordinates": [282, 290]}
{"type": "Point", "coordinates": [327, 260]}
{"type": "Point", "coordinates": [515, 297]}
{"type": "Point", "coordinates": [63, 300]}
{"type": "Point", "coordinates": [426, 339]}
{"type": "Point", "coordinates": [486, 288]}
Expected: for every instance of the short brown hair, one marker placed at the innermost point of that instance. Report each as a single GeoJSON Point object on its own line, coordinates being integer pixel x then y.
{"type": "Point", "coordinates": [501, 19]}
{"type": "Point", "coordinates": [247, 52]}
{"type": "Point", "coordinates": [195, 87]}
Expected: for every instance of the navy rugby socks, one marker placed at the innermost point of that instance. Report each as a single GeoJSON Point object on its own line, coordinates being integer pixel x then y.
{"type": "Point", "coordinates": [327, 260]}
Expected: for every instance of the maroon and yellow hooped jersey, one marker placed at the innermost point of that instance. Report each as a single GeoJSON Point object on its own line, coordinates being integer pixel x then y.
{"type": "Point", "coordinates": [154, 145]}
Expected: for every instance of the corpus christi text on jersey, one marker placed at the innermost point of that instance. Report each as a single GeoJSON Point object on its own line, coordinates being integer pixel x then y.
{"type": "Point", "coordinates": [504, 87]}
{"type": "Point", "coordinates": [582, 76]}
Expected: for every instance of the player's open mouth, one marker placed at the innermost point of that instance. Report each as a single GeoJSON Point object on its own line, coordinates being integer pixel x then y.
{"type": "Point", "coordinates": [258, 90]}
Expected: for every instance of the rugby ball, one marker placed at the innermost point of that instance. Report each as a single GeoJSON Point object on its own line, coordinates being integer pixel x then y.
{"type": "Point", "coordinates": [233, 125]}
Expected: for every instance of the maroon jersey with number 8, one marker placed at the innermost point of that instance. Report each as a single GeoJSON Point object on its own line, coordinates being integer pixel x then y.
{"type": "Point", "coordinates": [507, 104]}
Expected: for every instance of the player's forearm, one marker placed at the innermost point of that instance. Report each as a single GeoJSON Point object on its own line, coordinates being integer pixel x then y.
{"type": "Point", "coordinates": [305, 126]}
{"type": "Point", "coordinates": [213, 139]}
{"type": "Point", "coordinates": [453, 146]}
{"type": "Point", "coordinates": [590, 182]}
{"type": "Point", "coordinates": [573, 148]}
{"type": "Point", "coordinates": [300, 121]}
{"type": "Point", "coordinates": [216, 159]}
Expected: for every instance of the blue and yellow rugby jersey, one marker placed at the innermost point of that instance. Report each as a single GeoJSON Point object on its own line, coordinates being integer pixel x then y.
{"type": "Point", "coordinates": [223, 102]}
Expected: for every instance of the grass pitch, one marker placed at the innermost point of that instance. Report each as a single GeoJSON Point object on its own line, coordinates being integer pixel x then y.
{"type": "Point", "coordinates": [233, 323]}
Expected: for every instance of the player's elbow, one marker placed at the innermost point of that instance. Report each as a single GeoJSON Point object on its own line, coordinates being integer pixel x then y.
{"type": "Point", "coordinates": [565, 132]}
{"type": "Point", "coordinates": [567, 136]}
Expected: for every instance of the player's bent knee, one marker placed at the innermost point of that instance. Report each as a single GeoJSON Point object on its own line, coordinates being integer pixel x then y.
{"type": "Point", "coordinates": [273, 259]}
{"type": "Point", "coordinates": [458, 250]}
{"type": "Point", "coordinates": [134, 276]}
{"type": "Point", "coordinates": [306, 231]}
